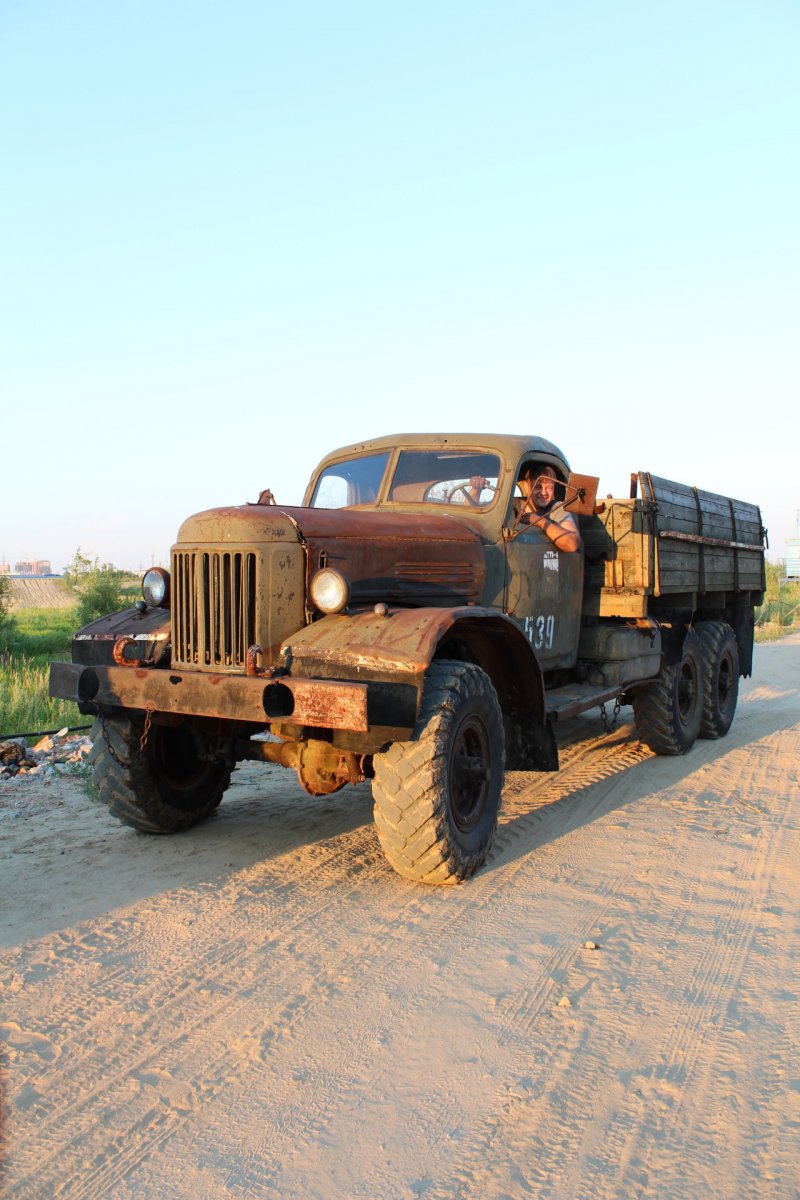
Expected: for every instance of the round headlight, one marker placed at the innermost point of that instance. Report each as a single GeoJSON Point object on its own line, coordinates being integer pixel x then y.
{"type": "Point", "coordinates": [330, 590]}
{"type": "Point", "coordinates": [155, 587]}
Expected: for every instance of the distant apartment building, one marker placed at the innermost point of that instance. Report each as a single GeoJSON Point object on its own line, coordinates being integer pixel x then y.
{"type": "Point", "coordinates": [37, 566]}
{"type": "Point", "coordinates": [793, 553]}
{"type": "Point", "coordinates": [5, 568]}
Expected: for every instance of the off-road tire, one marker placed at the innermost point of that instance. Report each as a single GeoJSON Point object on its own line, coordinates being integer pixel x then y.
{"type": "Point", "coordinates": [721, 683]}
{"type": "Point", "coordinates": [668, 711]}
{"type": "Point", "coordinates": [437, 796]}
{"type": "Point", "coordinates": [164, 788]}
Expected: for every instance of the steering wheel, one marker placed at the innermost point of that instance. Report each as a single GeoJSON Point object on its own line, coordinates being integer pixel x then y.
{"type": "Point", "coordinates": [462, 487]}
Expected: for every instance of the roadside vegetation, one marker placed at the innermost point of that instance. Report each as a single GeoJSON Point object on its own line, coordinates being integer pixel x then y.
{"type": "Point", "coordinates": [30, 641]}
{"type": "Point", "coordinates": [97, 589]}
{"type": "Point", "coordinates": [6, 620]}
{"type": "Point", "coordinates": [30, 638]}
{"type": "Point", "coordinates": [780, 612]}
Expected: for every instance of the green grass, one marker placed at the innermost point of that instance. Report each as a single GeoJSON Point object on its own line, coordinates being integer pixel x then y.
{"type": "Point", "coordinates": [43, 632]}
{"type": "Point", "coordinates": [39, 635]}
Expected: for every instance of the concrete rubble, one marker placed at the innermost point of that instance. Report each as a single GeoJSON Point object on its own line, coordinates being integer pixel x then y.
{"type": "Point", "coordinates": [53, 754]}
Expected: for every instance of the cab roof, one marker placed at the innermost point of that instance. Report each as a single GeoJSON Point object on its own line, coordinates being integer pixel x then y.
{"type": "Point", "coordinates": [512, 447]}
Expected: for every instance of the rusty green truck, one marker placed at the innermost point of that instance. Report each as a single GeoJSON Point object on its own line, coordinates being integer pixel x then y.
{"type": "Point", "coordinates": [405, 625]}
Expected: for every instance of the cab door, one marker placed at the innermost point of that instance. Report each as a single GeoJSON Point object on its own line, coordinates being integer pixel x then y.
{"type": "Point", "coordinates": [543, 594]}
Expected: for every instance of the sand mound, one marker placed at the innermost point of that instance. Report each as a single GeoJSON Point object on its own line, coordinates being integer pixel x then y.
{"type": "Point", "coordinates": [40, 593]}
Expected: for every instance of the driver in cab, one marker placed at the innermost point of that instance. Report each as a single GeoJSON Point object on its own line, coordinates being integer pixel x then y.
{"type": "Point", "coordinates": [539, 507]}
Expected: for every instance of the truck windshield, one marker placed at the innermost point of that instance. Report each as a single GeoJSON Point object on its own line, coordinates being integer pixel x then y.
{"type": "Point", "coordinates": [467, 477]}
{"type": "Point", "coordinates": [355, 481]}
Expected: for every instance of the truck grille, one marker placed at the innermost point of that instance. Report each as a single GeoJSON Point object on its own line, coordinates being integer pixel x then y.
{"type": "Point", "coordinates": [213, 608]}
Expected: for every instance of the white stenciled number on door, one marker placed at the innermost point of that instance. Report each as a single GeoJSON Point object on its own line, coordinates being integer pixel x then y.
{"type": "Point", "coordinates": [540, 631]}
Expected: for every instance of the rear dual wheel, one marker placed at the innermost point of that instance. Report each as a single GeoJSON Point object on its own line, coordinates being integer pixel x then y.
{"type": "Point", "coordinates": [668, 712]}
{"type": "Point", "coordinates": [720, 677]}
{"type": "Point", "coordinates": [695, 697]}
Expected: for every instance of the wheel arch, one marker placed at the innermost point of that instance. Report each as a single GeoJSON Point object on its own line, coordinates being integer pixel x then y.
{"type": "Point", "coordinates": [403, 643]}
{"type": "Point", "coordinates": [498, 646]}
{"type": "Point", "coordinates": [399, 645]}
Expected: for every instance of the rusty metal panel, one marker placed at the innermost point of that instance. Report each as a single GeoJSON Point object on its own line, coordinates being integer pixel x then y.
{"type": "Point", "coordinates": [408, 558]}
{"type": "Point", "coordinates": [145, 635]}
{"type": "Point", "coordinates": [399, 644]}
{"type": "Point", "coordinates": [329, 705]}
{"type": "Point", "coordinates": [325, 703]}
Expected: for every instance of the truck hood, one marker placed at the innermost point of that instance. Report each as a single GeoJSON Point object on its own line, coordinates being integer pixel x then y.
{"type": "Point", "coordinates": [397, 557]}
{"type": "Point", "coordinates": [287, 523]}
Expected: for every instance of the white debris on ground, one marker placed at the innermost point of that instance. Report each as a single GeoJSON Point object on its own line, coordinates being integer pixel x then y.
{"type": "Point", "coordinates": [53, 754]}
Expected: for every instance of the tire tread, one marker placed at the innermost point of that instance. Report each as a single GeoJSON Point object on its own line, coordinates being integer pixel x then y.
{"type": "Point", "coordinates": [713, 637]}
{"type": "Point", "coordinates": [407, 787]}
{"type": "Point", "coordinates": [654, 706]}
{"type": "Point", "coordinates": [127, 786]}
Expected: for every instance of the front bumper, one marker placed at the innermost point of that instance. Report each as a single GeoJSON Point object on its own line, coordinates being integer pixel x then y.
{"type": "Point", "coordinates": [322, 703]}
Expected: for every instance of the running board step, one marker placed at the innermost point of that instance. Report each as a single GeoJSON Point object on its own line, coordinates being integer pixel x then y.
{"type": "Point", "coordinates": [565, 702]}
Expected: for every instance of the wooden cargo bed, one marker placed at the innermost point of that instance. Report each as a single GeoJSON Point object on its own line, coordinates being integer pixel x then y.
{"type": "Point", "coordinates": [673, 540]}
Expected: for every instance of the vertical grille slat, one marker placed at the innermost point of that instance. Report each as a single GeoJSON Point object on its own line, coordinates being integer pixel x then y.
{"type": "Point", "coordinates": [180, 601]}
{"type": "Point", "coordinates": [227, 613]}
{"type": "Point", "coordinates": [193, 647]}
{"type": "Point", "coordinates": [214, 616]}
{"type": "Point", "coordinates": [237, 607]}
{"type": "Point", "coordinates": [250, 603]}
{"type": "Point", "coordinates": [212, 649]}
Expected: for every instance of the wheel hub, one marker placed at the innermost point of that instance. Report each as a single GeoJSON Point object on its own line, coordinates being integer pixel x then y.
{"type": "Point", "coordinates": [469, 774]}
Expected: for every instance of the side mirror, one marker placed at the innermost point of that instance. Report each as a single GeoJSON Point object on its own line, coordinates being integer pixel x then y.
{"type": "Point", "coordinates": [581, 495]}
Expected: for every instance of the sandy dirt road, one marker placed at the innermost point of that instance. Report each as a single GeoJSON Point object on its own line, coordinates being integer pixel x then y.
{"type": "Point", "coordinates": [261, 1008]}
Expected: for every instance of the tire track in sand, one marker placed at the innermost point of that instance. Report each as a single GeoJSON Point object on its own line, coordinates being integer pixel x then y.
{"type": "Point", "coordinates": [92, 1080]}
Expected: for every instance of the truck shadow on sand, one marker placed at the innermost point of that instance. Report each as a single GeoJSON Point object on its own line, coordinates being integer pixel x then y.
{"type": "Point", "coordinates": [266, 814]}
{"type": "Point", "coordinates": [600, 777]}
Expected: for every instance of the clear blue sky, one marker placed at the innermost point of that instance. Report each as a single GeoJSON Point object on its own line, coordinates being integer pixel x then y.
{"type": "Point", "coordinates": [236, 236]}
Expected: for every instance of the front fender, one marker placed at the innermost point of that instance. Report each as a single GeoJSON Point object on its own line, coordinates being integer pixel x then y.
{"type": "Point", "coordinates": [398, 648]}
{"type": "Point", "coordinates": [140, 637]}
{"type": "Point", "coordinates": [400, 644]}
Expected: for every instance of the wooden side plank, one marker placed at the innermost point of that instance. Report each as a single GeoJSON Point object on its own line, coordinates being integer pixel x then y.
{"type": "Point", "coordinates": [679, 539]}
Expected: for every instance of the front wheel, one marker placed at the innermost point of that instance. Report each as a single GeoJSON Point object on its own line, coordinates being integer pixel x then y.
{"type": "Point", "coordinates": [668, 711]}
{"type": "Point", "coordinates": [437, 797]}
{"type": "Point", "coordinates": [167, 786]}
